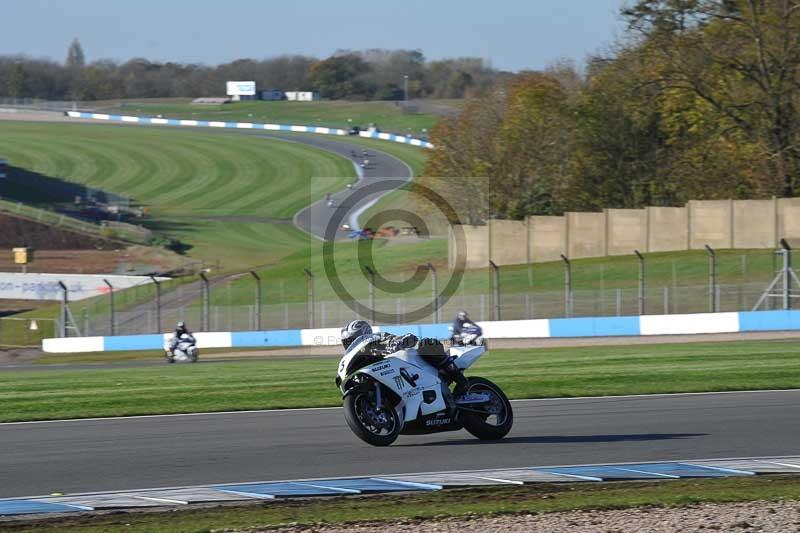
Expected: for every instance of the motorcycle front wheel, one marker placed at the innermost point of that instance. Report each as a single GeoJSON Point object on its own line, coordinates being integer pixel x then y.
{"type": "Point", "coordinates": [379, 427]}
{"type": "Point", "coordinates": [496, 421]}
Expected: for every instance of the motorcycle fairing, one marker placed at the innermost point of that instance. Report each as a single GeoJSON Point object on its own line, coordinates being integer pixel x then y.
{"type": "Point", "coordinates": [352, 352]}
{"type": "Point", "coordinates": [466, 355]}
{"type": "Point", "coordinates": [408, 376]}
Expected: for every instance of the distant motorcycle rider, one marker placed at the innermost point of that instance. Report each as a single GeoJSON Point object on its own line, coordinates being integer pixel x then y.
{"type": "Point", "coordinates": [462, 318]}
{"type": "Point", "coordinates": [431, 350]}
{"type": "Point", "coordinates": [181, 329]}
{"type": "Point", "coordinates": [181, 342]}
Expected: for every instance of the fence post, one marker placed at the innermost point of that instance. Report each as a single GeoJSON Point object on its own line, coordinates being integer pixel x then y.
{"type": "Point", "coordinates": [257, 300]}
{"type": "Point", "coordinates": [111, 317]}
{"type": "Point", "coordinates": [371, 274]}
{"type": "Point", "coordinates": [206, 304]}
{"type": "Point", "coordinates": [567, 286]}
{"type": "Point", "coordinates": [434, 292]}
{"type": "Point", "coordinates": [310, 281]}
{"type": "Point", "coordinates": [496, 270]}
{"type": "Point", "coordinates": [158, 303]}
{"type": "Point", "coordinates": [787, 271]}
{"type": "Point", "coordinates": [712, 279]}
{"type": "Point", "coordinates": [64, 308]}
{"type": "Point", "coordinates": [641, 281]}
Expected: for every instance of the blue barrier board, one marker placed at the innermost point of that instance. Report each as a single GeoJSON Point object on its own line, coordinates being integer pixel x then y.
{"type": "Point", "coordinates": [133, 342]}
{"type": "Point", "coordinates": [594, 326]}
{"type": "Point", "coordinates": [769, 320]}
{"type": "Point", "coordinates": [243, 339]}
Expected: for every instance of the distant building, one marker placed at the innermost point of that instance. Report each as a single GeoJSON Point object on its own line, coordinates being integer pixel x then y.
{"type": "Point", "coordinates": [271, 95]}
{"type": "Point", "coordinates": [241, 90]}
{"type": "Point", "coordinates": [302, 96]}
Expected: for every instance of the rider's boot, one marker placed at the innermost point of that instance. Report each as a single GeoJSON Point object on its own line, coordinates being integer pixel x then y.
{"type": "Point", "coordinates": [454, 374]}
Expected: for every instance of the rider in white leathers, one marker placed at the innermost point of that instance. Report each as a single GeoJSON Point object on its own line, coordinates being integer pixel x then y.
{"type": "Point", "coordinates": [183, 338]}
{"type": "Point", "coordinates": [431, 350]}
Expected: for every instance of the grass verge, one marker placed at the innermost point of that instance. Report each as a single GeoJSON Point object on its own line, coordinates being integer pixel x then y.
{"type": "Point", "coordinates": [417, 507]}
{"type": "Point", "coordinates": [308, 381]}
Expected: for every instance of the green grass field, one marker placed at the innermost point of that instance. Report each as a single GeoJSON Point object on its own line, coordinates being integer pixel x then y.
{"type": "Point", "coordinates": [308, 381]}
{"type": "Point", "coordinates": [197, 185]}
{"type": "Point", "coordinates": [229, 197]}
{"type": "Point", "coordinates": [342, 114]}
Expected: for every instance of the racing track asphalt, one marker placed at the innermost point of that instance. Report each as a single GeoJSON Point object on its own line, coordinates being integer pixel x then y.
{"type": "Point", "coordinates": [131, 453]}
{"type": "Point", "coordinates": [383, 174]}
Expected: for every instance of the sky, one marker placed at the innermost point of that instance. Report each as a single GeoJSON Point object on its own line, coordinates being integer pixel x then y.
{"type": "Point", "coordinates": [511, 34]}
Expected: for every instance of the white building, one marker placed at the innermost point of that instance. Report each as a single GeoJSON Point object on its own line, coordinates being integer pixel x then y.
{"type": "Point", "coordinates": [241, 90]}
{"type": "Point", "coordinates": [302, 96]}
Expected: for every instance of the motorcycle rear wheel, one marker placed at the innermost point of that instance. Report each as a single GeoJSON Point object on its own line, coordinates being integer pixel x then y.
{"type": "Point", "coordinates": [501, 421]}
{"type": "Point", "coordinates": [373, 427]}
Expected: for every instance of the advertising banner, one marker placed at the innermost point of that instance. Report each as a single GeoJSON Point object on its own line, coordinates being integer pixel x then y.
{"type": "Point", "coordinates": [15, 286]}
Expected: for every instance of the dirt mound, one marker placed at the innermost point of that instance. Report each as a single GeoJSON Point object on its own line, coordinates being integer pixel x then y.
{"type": "Point", "coordinates": [16, 231]}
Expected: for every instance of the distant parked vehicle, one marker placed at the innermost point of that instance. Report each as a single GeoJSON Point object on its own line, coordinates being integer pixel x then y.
{"type": "Point", "coordinates": [3, 167]}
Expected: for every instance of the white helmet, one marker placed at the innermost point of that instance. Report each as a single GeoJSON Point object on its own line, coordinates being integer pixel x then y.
{"type": "Point", "coordinates": [354, 330]}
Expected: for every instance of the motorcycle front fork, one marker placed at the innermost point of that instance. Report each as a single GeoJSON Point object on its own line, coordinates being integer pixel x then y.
{"type": "Point", "coordinates": [378, 398]}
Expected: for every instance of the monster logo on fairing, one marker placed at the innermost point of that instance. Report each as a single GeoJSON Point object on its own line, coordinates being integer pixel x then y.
{"type": "Point", "coordinates": [412, 380]}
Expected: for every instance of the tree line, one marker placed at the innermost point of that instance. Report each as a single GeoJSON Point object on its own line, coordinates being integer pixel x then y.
{"type": "Point", "coordinates": [700, 99]}
{"type": "Point", "coordinates": [357, 75]}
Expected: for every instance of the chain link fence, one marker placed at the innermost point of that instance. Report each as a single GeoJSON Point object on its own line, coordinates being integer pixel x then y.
{"type": "Point", "coordinates": [733, 282]}
{"type": "Point", "coordinates": [519, 306]}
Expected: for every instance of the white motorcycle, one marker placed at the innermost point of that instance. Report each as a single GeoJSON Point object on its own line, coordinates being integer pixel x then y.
{"type": "Point", "coordinates": [181, 350]}
{"type": "Point", "coordinates": [471, 335]}
{"type": "Point", "coordinates": [389, 394]}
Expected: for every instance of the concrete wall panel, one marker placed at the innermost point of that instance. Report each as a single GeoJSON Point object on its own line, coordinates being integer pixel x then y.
{"type": "Point", "coordinates": [710, 223]}
{"type": "Point", "coordinates": [667, 231]}
{"type": "Point", "coordinates": [509, 242]}
{"type": "Point", "coordinates": [754, 224]}
{"type": "Point", "coordinates": [789, 220]}
{"type": "Point", "coordinates": [586, 233]}
{"type": "Point", "coordinates": [548, 238]}
{"type": "Point", "coordinates": [627, 231]}
{"type": "Point", "coordinates": [475, 244]}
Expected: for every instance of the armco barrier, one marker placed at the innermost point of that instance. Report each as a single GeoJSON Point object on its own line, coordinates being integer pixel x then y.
{"type": "Point", "coordinates": [395, 138]}
{"type": "Point", "coordinates": [509, 329]}
{"type": "Point", "coordinates": [243, 126]}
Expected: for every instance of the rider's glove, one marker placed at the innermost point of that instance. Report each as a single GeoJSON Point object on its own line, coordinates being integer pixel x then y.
{"type": "Point", "coordinates": [402, 342]}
